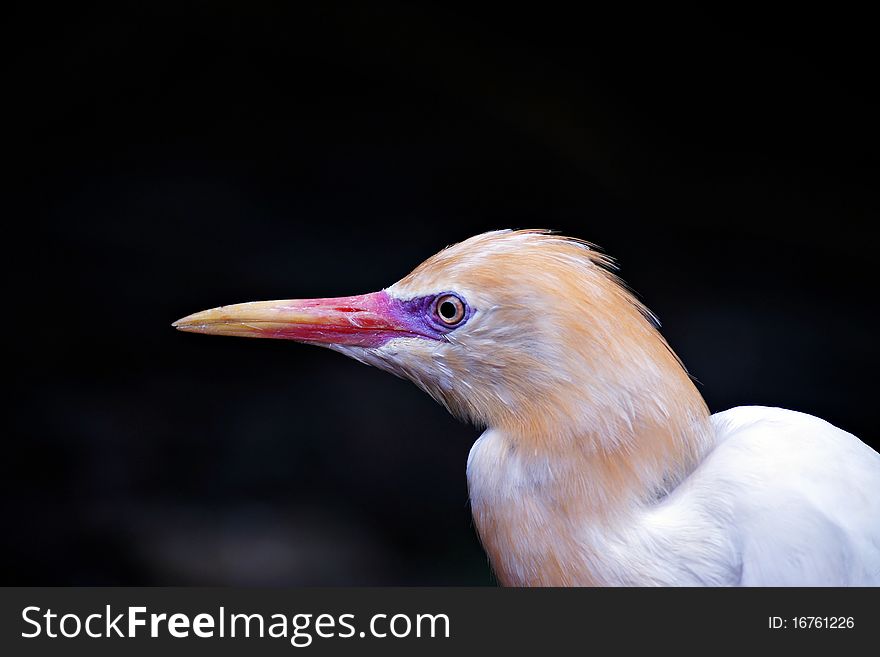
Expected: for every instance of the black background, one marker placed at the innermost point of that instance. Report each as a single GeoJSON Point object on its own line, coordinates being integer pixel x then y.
{"type": "Point", "coordinates": [168, 160]}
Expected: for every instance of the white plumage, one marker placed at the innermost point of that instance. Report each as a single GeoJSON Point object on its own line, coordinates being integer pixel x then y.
{"type": "Point", "coordinates": [781, 499]}
{"type": "Point", "coordinates": [802, 498]}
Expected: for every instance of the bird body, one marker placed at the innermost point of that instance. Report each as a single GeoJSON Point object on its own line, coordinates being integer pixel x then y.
{"type": "Point", "coordinates": [600, 463]}
{"type": "Point", "coordinates": [780, 499]}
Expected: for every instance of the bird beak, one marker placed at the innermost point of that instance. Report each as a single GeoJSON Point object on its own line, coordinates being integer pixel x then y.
{"type": "Point", "coordinates": [367, 320]}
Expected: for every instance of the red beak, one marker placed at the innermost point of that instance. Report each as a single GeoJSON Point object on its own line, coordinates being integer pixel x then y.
{"type": "Point", "coordinates": [366, 320]}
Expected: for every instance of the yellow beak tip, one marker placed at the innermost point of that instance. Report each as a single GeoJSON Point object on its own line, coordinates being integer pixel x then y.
{"type": "Point", "coordinates": [183, 324]}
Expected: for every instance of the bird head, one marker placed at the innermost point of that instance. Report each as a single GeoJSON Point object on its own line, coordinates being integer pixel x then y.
{"type": "Point", "coordinates": [521, 330]}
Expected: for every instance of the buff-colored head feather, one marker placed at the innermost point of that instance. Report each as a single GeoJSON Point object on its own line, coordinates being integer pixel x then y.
{"type": "Point", "coordinates": [560, 356]}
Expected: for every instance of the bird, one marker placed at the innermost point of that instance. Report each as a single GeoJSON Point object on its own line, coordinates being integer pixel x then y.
{"type": "Point", "coordinates": [599, 463]}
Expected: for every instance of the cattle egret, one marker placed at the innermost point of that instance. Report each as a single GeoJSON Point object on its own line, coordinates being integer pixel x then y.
{"type": "Point", "coordinates": [600, 463]}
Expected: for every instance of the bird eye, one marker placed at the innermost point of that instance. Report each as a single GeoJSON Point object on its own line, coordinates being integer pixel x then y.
{"type": "Point", "coordinates": [450, 309]}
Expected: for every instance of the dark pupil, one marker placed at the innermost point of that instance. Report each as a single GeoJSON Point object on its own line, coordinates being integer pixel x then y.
{"type": "Point", "coordinates": [447, 309]}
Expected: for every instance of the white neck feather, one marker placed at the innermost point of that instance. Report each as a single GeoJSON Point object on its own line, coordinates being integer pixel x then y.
{"type": "Point", "coordinates": [555, 512]}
